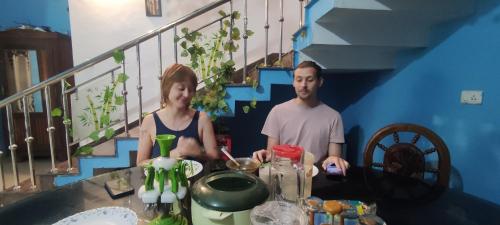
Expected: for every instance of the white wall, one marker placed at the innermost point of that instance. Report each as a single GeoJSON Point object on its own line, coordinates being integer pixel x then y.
{"type": "Point", "coordinates": [100, 25]}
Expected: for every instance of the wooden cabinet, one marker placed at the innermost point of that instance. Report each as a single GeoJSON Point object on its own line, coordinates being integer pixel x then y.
{"type": "Point", "coordinates": [53, 56]}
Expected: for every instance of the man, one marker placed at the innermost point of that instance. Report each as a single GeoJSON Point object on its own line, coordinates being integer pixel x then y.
{"type": "Point", "coordinates": [306, 121]}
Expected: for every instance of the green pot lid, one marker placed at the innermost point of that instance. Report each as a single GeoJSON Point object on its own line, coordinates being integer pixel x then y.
{"type": "Point", "coordinates": [229, 191]}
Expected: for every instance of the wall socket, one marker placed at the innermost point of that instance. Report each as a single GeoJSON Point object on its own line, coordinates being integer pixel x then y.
{"type": "Point", "coordinates": [472, 97]}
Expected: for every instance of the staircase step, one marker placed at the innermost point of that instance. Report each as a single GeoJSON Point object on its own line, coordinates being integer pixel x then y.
{"type": "Point", "coordinates": [353, 58]}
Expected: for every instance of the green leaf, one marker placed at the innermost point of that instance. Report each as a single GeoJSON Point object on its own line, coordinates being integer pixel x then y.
{"type": "Point", "coordinates": [184, 53]}
{"type": "Point", "coordinates": [236, 15]}
{"type": "Point", "coordinates": [94, 135]}
{"type": "Point", "coordinates": [105, 119]}
{"type": "Point", "coordinates": [67, 122]}
{"type": "Point", "coordinates": [253, 103]}
{"type": "Point", "coordinates": [223, 33]}
{"type": "Point", "coordinates": [235, 35]}
{"type": "Point", "coordinates": [119, 56]}
{"type": "Point", "coordinates": [222, 13]}
{"type": "Point", "coordinates": [85, 150]}
{"type": "Point", "coordinates": [185, 30]}
{"type": "Point", "coordinates": [177, 38]}
{"type": "Point", "coordinates": [255, 84]}
{"type": "Point", "coordinates": [109, 133]}
{"type": "Point", "coordinates": [249, 33]}
{"type": "Point", "coordinates": [246, 109]}
{"type": "Point", "coordinates": [221, 103]}
{"type": "Point", "coordinates": [227, 23]}
{"type": "Point", "coordinates": [56, 112]}
{"type": "Point", "coordinates": [184, 44]}
{"type": "Point", "coordinates": [122, 78]}
{"type": "Point", "coordinates": [119, 100]}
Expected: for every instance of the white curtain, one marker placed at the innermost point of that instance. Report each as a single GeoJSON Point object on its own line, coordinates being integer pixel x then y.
{"type": "Point", "coordinates": [20, 77]}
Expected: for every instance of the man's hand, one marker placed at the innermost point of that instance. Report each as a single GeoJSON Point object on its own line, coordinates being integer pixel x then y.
{"type": "Point", "coordinates": [261, 155]}
{"type": "Point", "coordinates": [339, 163]}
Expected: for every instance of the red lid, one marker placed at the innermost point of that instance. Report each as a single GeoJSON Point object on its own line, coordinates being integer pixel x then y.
{"type": "Point", "coordinates": [293, 152]}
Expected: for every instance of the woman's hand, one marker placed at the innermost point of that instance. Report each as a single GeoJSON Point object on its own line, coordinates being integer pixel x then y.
{"type": "Point", "coordinates": [188, 147]}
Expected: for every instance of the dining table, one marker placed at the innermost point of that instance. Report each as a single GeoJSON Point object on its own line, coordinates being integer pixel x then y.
{"type": "Point", "coordinates": [433, 206]}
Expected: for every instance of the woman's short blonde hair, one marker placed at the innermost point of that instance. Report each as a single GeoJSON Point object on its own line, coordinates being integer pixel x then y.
{"type": "Point", "coordinates": [173, 74]}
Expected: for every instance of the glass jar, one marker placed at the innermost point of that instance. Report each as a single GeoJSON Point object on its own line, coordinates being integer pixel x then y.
{"type": "Point", "coordinates": [287, 173]}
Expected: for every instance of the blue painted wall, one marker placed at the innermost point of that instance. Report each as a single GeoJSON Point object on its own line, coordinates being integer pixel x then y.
{"type": "Point", "coordinates": [427, 92]}
{"type": "Point", "coordinates": [50, 13]}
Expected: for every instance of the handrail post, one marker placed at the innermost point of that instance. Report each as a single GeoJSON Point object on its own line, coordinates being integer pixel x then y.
{"type": "Point", "coordinates": [125, 93]}
{"type": "Point", "coordinates": [159, 54]}
{"type": "Point", "coordinates": [50, 128]}
{"type": "Point", "coordinates": [2, 179]}
{"type": "Point", "coordinates": [67, 124]}
{"type": "Point", "coordinates": [266, 29]}
{"type": "Point", "coordinates": [29, 139]}
{"type": "Point", "coordinates": [301, 18]}
{"type": "Point", "coordinates": [175, 44]}
{"type": "Point", "coordinates": [139, 84]}
{"type": "Point", "coordinates": [12, 146]}
{"type": "Point", "coordinates": [281, 33]}
{"type": "Point", "coordinates": [245, 37]}
{"type": "Point", "coordinates": [231, 28]}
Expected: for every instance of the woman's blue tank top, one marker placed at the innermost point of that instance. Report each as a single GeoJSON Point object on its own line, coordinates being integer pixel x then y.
{"type": "Point", "coordinates": [190, 131]}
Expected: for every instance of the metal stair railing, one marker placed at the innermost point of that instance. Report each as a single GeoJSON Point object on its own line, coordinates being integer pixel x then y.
{"type": "Point", "coordinates": [61, 78]}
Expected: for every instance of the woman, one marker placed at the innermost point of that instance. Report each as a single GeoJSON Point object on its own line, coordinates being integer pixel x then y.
{"type": "Point", "coordinates": [193, 129]}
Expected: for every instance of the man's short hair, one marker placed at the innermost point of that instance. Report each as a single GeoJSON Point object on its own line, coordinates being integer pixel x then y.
{"type": "Point", "coordinates": [307, 64]}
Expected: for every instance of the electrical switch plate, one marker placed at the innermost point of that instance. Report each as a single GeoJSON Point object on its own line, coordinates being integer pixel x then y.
{"type": "Point", "coordinates": [473, 97]}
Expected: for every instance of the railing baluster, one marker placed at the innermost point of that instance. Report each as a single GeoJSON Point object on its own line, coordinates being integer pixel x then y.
{"type": "Point", "coordinates": [50, 128]}
{"type": "Point", "coordinates": [112, 76]}
{"type": "Point", "coordinates": [281, 32]}
{"type": "Point", "coordinates": [245, 37]}
{"type": "Point", "coordinates": [12, 146]}
{"type": "Point", "coordinates": [159, 54]}
{"type": "Point", "coordinates": [29, 139]}
{"type": "Point", "coordinates": [175, 44]}
{"type": "Point", "coordinates": [231, 28]}
{"type": "Point", "coordinates": [2, 180]}
{"type": "Point", "coordinates": [301, 18]}
{"type": "Point", "coordinates": [139, 84]}
{"type": "Point", "coordinates": [67, 124]}
{"type": "Point", "coordinates": [266, 29]}
{"type": "Point", "coordinates": [125, 93]}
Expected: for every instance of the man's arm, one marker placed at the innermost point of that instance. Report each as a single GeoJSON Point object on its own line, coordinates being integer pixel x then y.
{"type": "Point", "coordinates": [335, 157]}
{"type": "Point", "coordinates": [264, 155]}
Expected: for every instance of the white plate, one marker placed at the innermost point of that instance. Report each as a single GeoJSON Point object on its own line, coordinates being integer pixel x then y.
{"type": "Point", "coordinates": [192, 168]}
{"type": "Point", "coordinates": [100, 216]}
{"type": "Point", "coordinates": [315, 171]}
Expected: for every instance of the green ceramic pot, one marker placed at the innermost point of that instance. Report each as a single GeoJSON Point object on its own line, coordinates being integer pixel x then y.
{"type": "Point", "coordinates": [226, 197]}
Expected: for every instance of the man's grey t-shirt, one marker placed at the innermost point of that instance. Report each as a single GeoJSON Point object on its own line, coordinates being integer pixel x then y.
{"type": "Point", "coordinates": [311, 128]}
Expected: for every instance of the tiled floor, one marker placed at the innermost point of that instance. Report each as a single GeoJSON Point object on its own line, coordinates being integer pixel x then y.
{"type": "Point", "coordinates": [41, 165]}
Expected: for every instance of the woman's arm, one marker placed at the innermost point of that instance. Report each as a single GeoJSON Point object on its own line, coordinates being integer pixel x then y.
{"type": "Point", "coordinates": [208, 136]}
{"type": "Point", "coordinates": [145, 141]}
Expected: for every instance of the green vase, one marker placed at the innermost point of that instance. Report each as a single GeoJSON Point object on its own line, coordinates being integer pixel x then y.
{"type": "Point", "coordinates": [165, 141]}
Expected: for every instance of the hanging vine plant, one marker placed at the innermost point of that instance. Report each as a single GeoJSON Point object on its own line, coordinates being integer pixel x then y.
{"type": "Point", "coordinates": [208, 57]}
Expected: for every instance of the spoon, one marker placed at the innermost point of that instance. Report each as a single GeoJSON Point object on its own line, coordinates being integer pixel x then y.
{"type": "Point", "coordinates": [223, 149]}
